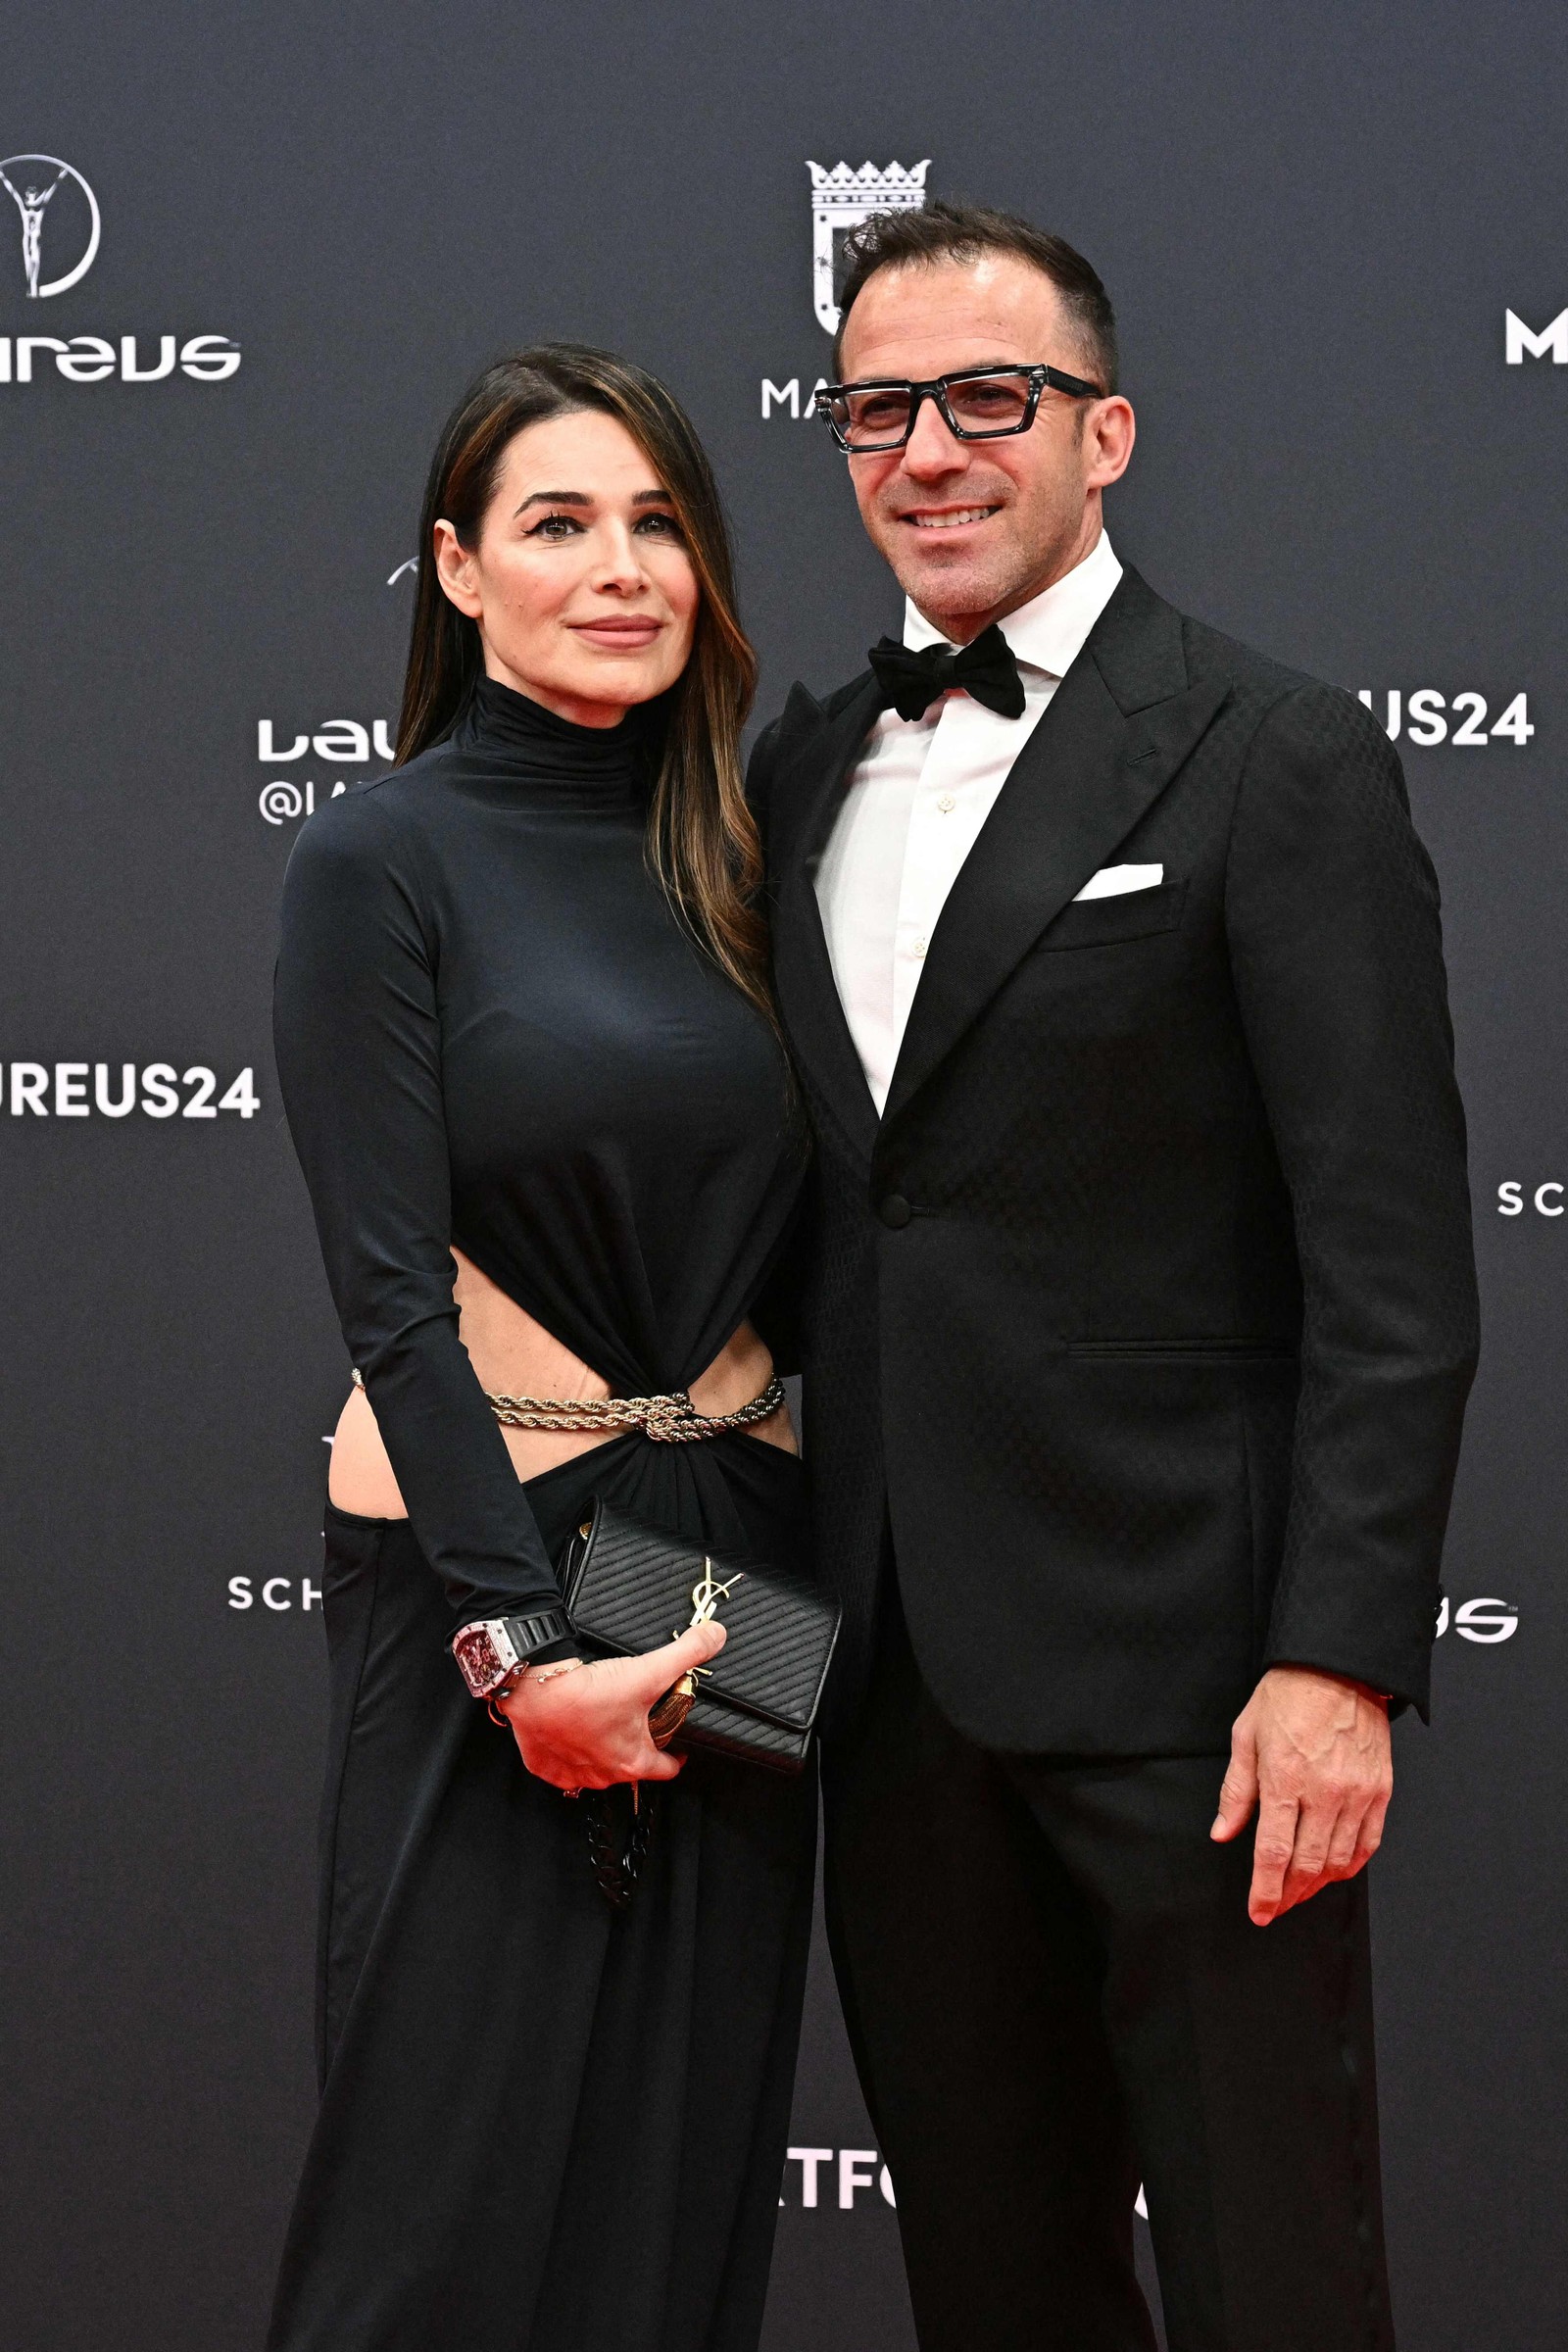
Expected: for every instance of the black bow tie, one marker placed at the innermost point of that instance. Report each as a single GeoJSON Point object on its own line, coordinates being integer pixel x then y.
{"type": "Point", "coordinates": [912, 681]}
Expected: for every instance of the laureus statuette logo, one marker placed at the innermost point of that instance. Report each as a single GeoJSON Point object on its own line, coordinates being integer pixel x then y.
{"type": "Point", "coordinates": [841, 199]}
{"type": "Point", "coordinates": [58, 216]}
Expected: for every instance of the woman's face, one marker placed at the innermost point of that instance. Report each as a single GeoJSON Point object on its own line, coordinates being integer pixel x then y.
{"type": "Point", "coordinates": [581, 585]}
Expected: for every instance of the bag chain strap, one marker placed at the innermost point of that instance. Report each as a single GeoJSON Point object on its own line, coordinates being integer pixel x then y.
{"type": "Point", "coordinates": [616, 1872]}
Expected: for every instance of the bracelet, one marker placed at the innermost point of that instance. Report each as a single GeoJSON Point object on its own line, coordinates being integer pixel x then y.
{"type": "Point", "coordinates": [540, 1674]}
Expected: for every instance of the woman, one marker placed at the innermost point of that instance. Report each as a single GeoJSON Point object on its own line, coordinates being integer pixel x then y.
{"type": "Point", "coordinates": [532, 1074]}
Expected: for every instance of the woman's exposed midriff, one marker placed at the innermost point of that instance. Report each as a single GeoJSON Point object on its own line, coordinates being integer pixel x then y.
{"type": "Point", "coordinates": [516, 1356]}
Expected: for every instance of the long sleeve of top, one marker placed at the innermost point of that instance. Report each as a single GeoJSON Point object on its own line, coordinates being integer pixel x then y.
{"type": "Point", "coordinates": [358, 1034]}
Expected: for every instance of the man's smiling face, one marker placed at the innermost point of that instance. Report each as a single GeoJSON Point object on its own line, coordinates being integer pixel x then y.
{"type": "Point", "coordinates": [973, 529]}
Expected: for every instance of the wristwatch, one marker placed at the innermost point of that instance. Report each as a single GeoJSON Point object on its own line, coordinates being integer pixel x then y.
{"type": "Point", "coordinates": [493, 1652]}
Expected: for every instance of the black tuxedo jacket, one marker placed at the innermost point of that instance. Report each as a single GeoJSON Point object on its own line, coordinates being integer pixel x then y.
{"type": "Point", "coordinates": [1146, 1313]}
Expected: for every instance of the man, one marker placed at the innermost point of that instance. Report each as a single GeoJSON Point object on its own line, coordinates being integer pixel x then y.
{"type": "Point", "coordinates": [1139, 1321]}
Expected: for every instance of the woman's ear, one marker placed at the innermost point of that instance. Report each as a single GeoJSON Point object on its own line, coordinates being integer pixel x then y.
{"type": "Point", "coordinates": [454, 568]}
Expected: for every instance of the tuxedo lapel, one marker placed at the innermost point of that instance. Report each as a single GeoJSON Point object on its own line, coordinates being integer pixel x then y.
{"type": "Point", "coordinates": [1120, 724]}
{"type": "Point", "coordinates": [805, 796]}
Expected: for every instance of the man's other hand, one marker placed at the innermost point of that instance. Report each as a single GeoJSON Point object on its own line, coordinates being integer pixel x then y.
{"type": "Point", "coordinates": [1311, 1751]}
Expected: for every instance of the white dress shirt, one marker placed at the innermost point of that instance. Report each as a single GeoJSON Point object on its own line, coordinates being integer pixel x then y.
{"type": "Point", "coordinates": [914, 806]}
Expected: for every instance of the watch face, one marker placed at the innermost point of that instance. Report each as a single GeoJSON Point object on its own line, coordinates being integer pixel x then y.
{"type": "Point", "coordinates": [480, 1659]}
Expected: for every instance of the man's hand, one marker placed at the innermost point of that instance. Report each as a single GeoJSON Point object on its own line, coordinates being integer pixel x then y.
{"type": "Point", "coordinates": [1311, 1751]}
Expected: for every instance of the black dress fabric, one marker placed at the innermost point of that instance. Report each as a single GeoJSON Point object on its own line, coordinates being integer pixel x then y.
{"type": "Point", "coordinates": [545, 2127]}
{"type": "Point", "coordinates": [491, 1031]}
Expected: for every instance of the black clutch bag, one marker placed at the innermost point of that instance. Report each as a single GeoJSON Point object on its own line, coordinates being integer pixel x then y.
{"type": "Point", "coordinates": [630, 1588]}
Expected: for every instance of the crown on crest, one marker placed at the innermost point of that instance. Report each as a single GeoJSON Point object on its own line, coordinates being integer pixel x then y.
{"type": "Point", "coordinates": [868, 190]}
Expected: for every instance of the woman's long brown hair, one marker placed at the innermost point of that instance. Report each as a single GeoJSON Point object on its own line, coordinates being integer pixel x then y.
{"type": "Point", "coordinates": [702, 839]}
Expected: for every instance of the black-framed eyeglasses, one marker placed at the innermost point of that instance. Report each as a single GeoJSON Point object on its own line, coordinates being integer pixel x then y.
{"type": "Point", "coordinates": [976, 404]}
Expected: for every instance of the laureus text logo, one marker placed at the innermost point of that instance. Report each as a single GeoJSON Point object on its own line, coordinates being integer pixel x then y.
{"type": "Point", "coordinates": [59, 229]}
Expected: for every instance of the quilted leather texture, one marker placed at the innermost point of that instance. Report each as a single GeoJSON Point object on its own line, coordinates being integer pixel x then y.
{"type": "Point", "coordinates": [752, 1738]}
{"type": "Point", "coordinates": [629, 1588]}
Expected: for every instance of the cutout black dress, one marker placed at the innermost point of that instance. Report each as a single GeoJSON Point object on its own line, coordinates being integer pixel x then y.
{"type": "Point", "coordinates": [543, 2125]}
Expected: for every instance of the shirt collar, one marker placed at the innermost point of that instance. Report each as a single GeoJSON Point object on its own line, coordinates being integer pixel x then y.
{"type": "Point", "coordinates": [1047, 633]}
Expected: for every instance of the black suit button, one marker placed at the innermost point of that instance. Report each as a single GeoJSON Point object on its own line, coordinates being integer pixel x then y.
{"type": "Point", "coordinates": [895, 1212]}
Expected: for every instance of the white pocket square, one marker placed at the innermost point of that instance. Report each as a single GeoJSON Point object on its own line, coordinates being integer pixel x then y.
{"type": "Point", "coordinates": [1114, 881]}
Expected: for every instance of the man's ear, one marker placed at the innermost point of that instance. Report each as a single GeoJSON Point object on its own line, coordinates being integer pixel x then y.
{"type": "Point", "coordinates": [1112, 430]}
{"type": "Point", "coordinates": [453, 567]}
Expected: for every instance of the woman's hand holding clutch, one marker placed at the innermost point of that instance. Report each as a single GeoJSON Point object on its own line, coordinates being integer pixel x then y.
{"type": "Point", "coordinates": [587, 1726]}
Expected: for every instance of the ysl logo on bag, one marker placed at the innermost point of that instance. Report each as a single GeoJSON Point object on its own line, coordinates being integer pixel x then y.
{"type": "Point", "coordinates": [666, 1720]}
{"type": "Point", "coordinates": [707, 1594]}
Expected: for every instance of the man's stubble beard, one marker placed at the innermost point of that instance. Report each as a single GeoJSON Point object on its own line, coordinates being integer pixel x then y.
{"type": "Point", "coordinates": [1004, 579]}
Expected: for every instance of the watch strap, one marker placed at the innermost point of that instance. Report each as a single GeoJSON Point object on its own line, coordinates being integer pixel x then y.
{"type": "Point", "coordinates": [529, 1634]}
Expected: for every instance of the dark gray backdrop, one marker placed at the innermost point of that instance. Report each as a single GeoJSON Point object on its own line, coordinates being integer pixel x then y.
{"type": "Point", "coordinates": [1315, 225]}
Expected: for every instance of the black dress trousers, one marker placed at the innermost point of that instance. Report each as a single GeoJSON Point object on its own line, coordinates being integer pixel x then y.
{"type": "Point", "coordinates": [1054, 1992]}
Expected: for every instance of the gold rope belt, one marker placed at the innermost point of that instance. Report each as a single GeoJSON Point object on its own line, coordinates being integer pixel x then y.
{"type": "Point", "coordinates": [672, 1420]}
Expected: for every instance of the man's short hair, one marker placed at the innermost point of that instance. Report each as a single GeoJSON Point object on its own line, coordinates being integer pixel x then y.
{"type": "Point", "coordinates": [963, 233]}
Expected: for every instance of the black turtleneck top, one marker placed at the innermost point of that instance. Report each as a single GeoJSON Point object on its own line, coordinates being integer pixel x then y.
{"type": "Point", "coordinates": [493, 1032]}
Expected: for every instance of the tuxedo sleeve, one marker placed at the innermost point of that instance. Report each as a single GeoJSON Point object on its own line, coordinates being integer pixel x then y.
{"type": "Point", "coordinates": [1332, 914]}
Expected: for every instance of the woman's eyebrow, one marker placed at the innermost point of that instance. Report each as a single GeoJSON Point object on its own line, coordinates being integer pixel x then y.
{"type": "Point", "coordinates": [580, 498]}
